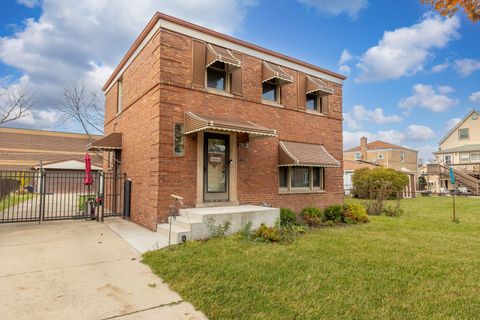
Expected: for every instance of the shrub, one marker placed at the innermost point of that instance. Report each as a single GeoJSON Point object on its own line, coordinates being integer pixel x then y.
{"type": "Point", "coordinates": [217, 231]}
{"type": "Point", "coordinates": [246, 232]}
{"type": "Point", "coordinates": [333, 213]}
{"type": "Point", "coordinates": [285, 234]}
{"type": "Point", "coordinates": [393, 211]}
{"type": "Point", "coordinates": [378, 182]}
{"type": "Point", "coordinates": [354, 213]}
{"type": "Point", "coordinates": [287, 217]}
{"type": "Point", "coordinates": [312, 216]}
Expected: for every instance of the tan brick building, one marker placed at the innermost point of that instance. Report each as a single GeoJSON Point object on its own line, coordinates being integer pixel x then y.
{"type": "Point", "coordinates": [221, 122]}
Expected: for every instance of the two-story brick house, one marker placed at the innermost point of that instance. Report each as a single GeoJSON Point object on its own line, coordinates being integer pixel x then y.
{"type": "Point", "coordinates": [387, 155]}
{"type": "Point", "coordinates": [221, 122]}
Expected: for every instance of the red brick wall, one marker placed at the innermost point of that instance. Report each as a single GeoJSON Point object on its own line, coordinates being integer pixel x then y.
{"type": "Point", "coordinates": [148, 119]}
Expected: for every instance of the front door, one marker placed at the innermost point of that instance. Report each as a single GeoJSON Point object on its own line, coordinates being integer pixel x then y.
{"type": "Point", "coordinates": [215, 167]}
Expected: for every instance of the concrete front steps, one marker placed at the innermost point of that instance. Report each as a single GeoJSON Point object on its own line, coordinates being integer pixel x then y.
{"type": "Point", "coordinates": [192, 222]}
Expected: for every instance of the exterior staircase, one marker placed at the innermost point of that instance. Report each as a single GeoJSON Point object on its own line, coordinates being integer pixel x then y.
{"type": "Point", "coordinates": [471, 183]}
{"type": "Point", "coordinates": [192, 223]}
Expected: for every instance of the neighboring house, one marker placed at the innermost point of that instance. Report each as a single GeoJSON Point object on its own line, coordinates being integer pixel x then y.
{"type": "Point", "coordinates": [221, 122]}
{"type": "Point", "coordinates": [23, 149]}
{"type": "Point", "coordinates": [349, 167]}
{"type": "Point", "coordinates": [387, 155]}
{"type": "Point", "coordinates": [460, 150]}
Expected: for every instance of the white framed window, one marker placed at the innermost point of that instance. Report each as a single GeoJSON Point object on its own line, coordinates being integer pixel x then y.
{"type": "Point", "coordinates": [464, 157]}
{"type": "Point", "coordinates": [380, 156]}
{"type": "Point", "coordinates": [119, 95]}
{"type": "Point", "coordinates": [402, 156]}
{"type": "Point", "coordinates": [474, 116]}
{"type": "Point", "coordinates": [299, 178]}
{"type": "Point", "coordinates": [447, 159]}
{"type": "Point", "coordinates": [358, 156]}
{"type": "Point", "coordinates": [463, 134]}
{"type": "Point", "coordinates": [474, 156]}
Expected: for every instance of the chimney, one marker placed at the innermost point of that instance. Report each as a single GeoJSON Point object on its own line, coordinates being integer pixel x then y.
{"type": "Point", "coordinates": [363, 148]}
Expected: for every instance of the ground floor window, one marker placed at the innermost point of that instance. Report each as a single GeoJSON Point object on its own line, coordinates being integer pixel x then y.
{"type": "Point", "coordinates": [301, 178]}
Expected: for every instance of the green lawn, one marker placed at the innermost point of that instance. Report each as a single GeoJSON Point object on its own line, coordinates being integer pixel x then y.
{"type": "Point", "coordinates": [11, 200]}
{"type": "Point", "coordinates": [418, 266]}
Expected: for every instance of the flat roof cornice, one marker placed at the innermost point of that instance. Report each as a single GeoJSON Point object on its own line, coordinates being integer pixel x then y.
{"type": "Point", "coordinates": [196, 31]}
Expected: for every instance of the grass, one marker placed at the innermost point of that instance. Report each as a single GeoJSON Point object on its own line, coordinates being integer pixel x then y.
{"type": "Point", "coordinates": [417, 266]}
{"type": "Point", "coordinates": [11, 200]}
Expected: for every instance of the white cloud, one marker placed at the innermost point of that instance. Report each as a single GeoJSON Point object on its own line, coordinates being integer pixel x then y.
{"type": "Point", "coordinates": [29, 3]}
{"type": "Point", "coordinates": [452, 123]}
{"type": "Point", "coordinates": [85, 40]}
{"type": "Point", "coordinates": [418, 133]}
{"type": "Point", "coordinates": [345, 57]}
{"type": "Point", "coordinates": [404, 51]}
{"type": "Point", "coordinates": [475, 97]}
{"type": "Point", "coordinates": [359, 114]}
{"type": "Point", "coordinates": [466, 67]}
{"type": "Point", "coordinates": [351, 7]}
{"type": "Point", "coordinates": [344, 69]}
{"type": "Point", "coordinates": [425, 96]}
{"type": "Point", "coordinates": [440, 67]}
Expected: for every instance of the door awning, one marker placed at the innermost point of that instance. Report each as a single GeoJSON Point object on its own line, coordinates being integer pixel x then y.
{"type": "Point", "coordinates": [275, 72]}
{"type": "Point", "coordinates": [305, 154]}
{"type": "Point", "coordinates": [315, 85]}
{"type": "Point", "coordinates": [195, 122]}
{"type": "Point", "coordinates": [216, 53]}
{"type": "Point", "coordinates": [112, 141]}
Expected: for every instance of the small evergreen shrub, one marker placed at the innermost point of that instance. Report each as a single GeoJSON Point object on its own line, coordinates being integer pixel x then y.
{"type": "Point", "coordinates": [287, 217]}
{"type": "Point", "coordinates": [333, 213]}
{"type": "Point", "coordinates": [312, 216]}
{"type": "Point", "coordinates": [354, 213]}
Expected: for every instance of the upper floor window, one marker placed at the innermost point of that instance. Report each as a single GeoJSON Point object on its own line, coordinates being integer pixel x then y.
{"type": "Point", "coordinates": [463, 134]}
{"type": "Point", "coordinates": [217, 76]}
{"type": "Point", "coordinates": [474, 116]}
{"type": "Point", "coordinates": [358, 156]}
{"type": "Point", "coordinates": [474, 156]}
{"type": "Point", "coordinates": [402, 156]}
{"type": "Point", "coordinates": [271, 91]}
{"type": "Point", "coordinates": [119, 95]}
{"type": "Point", "coordinates": [315, 102]}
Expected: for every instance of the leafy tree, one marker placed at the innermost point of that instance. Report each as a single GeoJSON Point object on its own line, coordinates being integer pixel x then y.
{"type": "Point", "coordinates": [449, 7]}
{"type": "Point", "coordinates": [378, 183]}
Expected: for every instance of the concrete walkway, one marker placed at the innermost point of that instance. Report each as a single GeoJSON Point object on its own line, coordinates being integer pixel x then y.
{"type": "Point", "coordinates": [79, 270]}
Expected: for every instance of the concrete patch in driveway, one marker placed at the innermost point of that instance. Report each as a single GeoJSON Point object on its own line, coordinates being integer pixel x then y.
{"type": "Point", "coordinates": [79, 270]}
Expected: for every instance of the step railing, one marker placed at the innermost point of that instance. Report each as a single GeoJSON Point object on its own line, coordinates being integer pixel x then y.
{"type": "Point", "coordinates": [472, 183]}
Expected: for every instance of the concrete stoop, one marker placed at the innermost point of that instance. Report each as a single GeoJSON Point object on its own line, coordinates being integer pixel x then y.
{"type": "Point", "coordinates": [192, 223]}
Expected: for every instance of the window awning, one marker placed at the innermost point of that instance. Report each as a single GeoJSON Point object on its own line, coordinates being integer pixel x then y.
{"type": "Point", "coordinates": [317, 85]}
{"type": "Point", "coordinates": [305, 154]}
{"type": "Point", "coordinates": [215, 53]}
{"type": "Point", "coordinates": [195, 122]}
{"type": "Point", "coordinates": [272, 71]}
{"type": "Point", "coordinates": [113, 141]}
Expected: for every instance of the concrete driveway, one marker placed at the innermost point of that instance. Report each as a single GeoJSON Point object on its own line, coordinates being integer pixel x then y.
{"type": "Point", "coordinates": [79, 270]}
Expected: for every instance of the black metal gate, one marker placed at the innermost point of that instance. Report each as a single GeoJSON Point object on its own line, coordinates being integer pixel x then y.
{"type": "Point", "coordinates": [59, 195]}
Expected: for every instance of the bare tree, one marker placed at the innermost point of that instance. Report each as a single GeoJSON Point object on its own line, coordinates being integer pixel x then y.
{"type": "Point", "coordinates": [15, 103]}
{"type": "Point", "coordinates": [81, 105]}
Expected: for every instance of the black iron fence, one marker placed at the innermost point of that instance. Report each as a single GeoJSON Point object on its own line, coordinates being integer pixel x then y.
{"type": "Point", "coordinates": [59, 195]}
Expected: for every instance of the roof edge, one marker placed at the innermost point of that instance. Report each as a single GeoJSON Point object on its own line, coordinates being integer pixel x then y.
{"type": "Point", "coordinates": [159, 16]}
{"type": "Point", "coordinates": [458, 124]}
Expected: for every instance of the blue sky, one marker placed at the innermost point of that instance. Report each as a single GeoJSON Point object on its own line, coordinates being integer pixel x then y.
{"type": "Point", "coordinates": [411, 73]}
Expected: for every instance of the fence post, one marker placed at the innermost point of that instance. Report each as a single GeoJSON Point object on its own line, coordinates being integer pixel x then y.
{"type": "Point", "coordinates": [43, 178]}
{"type": "Point", "coordinates": [102, 190]}
{"type": "Point", "coordinates": [127, 192]}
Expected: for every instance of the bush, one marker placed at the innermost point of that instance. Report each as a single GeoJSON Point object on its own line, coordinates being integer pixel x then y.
{"type": "Point", "coordinates": [275, 234]}
{"type": "Point", "coordinates": [312, 216]}
{"type": "Point", "coordinates": [217, 231]}
{"type": "Point", "coordinates": [354, 213]}
{"type": "Point", "coordinates": [393, 211]}
{"type": "Point", "coordinates": [287, 217]}
{"type": "Point", "coordinates": [333, 213]}
{"type": "Point", "coordinates": [378, 182]}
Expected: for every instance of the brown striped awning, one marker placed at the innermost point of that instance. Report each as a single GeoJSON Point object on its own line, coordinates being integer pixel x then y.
{"type": "Point", "coordinates": [195, 122]}
{"type": "Point", "coordinates": [318, 86]}
{"type": "Point", "coordinates": [216, 53]}
{"type": "Point", "coordinates": [305, 154]}
{"type": "Point", "coordinates": [113, 141]}
{"type": "Point", "coordinates": [275, 72]}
